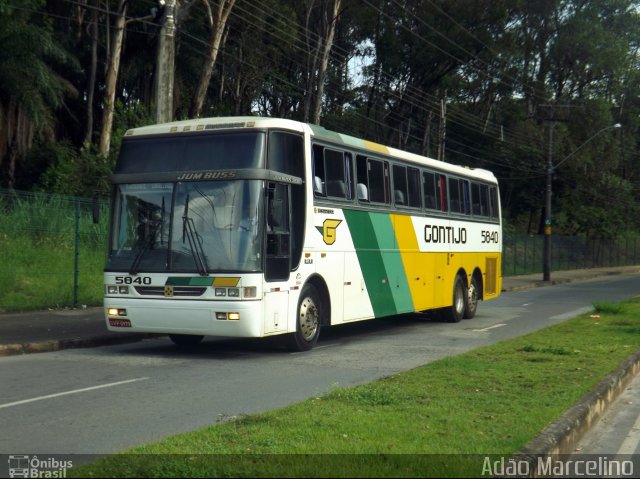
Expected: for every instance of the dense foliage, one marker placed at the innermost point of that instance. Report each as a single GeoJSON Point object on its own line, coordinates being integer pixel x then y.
{"type": "Point", "coordinates": [484, 83]}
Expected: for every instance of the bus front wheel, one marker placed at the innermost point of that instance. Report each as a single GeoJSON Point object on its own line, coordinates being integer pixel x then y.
{"type": "Point", "coordinates": [455, 312]}
{"type": "Point", "coordinates": [308, 320]}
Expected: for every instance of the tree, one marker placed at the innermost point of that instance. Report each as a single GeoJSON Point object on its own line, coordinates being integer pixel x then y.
{"type": "Point", "coordinates": [111, 77]}
{"type": "Point", "coordinates": [217, 27]}
{"type": "Point", "coordinates": [31, 86]}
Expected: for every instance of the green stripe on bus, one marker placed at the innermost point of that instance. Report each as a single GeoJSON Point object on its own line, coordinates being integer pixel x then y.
{"type": "Point", "coordinates": [383, 227]}
{"type": "Point", "coordinates": [381, 263]}
{"type": "Point", "coordinates": [371, 264]}
{"type": "Point", "coordinates": [188, 281]}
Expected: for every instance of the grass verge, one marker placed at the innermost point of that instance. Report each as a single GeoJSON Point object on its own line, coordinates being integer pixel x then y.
{"type": "Point", "coordinates": [38, 248]}
{"type": "Point", "coordinates": [438, 420]}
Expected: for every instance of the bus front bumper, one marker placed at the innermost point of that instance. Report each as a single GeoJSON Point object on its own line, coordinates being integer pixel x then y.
{"type": "Point", "coordinates": [241, 319]}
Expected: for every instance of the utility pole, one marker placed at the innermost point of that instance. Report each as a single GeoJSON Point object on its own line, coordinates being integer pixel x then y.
{"type": "Point", "coordinates": [546, 252]}
{"type": "Point", "coordinates": [546, 264]}
{"type": "Point", "coordinates": [443, 127]}
{"type": "Point", "coordinates": [165, 63]}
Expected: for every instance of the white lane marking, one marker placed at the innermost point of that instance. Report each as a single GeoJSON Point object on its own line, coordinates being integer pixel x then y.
{"type": "Point", "coordinates": [490, 327]}
{"type": "Point", "coordinates": [630, 443]}
{"type": "Point", "coordinates": [75, 391]}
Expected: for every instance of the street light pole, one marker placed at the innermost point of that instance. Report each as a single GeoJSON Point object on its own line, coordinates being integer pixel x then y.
{"type": "Point", "coordinates": [546, 263]}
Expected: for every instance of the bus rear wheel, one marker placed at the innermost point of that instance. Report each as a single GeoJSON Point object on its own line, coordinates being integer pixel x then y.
{"type": "Point", "coordinates": [473, 293]}
{"type": "Point", "coordinates": [455, 312]}
{"type": "Point", "coordinates": [308, 320]}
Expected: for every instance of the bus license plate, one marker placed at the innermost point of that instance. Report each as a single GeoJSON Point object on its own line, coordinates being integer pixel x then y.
{"type": "Point", "coordinates": [119, 323]}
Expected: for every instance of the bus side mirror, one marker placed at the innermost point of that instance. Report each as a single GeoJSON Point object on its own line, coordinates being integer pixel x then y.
{"type": "Point", "coordinates": [96, 209]}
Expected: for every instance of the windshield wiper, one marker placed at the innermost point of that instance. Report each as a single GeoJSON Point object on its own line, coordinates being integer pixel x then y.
{"type": "Point", "coordinates": [155, 225]}
{"type": "Point", "coordinates": [189, 230]}
{"type": "Point", "coordinates": [147, 244]}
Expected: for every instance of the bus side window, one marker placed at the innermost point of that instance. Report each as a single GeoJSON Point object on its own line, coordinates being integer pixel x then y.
{"type": "Point", "coordinates": [413, 187]}
{"type": "Point", "coordinates": [431, 197]}
{"type": "Point", "coordinates": [476, 200]}
{"type": "Point", "coordinates": [493, 202]}
{"type": "Point", "coordinates": [362, 180]}
{"type": "Point", "coordinates": [466, 197]}
{"type": "Point", "coordinates": [378, 175]}
{"type": "Point", "coordinates": [441, 182]}
{"type": "Point", "coordinates": [336, 181]}
{"type": "Point", "coordinates": [455, 195]}
{"type": "Point", "coordinates": [318, 171]}
{"type": "Point", "coordinates": [400, 185]}
{"type": "Point", "coordinates": [479, 199]}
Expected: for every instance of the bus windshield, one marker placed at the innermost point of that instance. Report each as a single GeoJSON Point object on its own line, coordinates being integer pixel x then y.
{"type": "Point", "coordinates": [188, 227]}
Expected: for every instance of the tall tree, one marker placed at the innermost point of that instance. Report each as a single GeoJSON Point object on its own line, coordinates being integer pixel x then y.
{"type": "Point", "coordinates": [31, 87]}
{"type": "Point", "coordinates": [217, 25]}
{"type": "Point", "coordinates": [111, 77]}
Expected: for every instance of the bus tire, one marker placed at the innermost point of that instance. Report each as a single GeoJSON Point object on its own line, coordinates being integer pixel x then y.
{"type": "Point", "coordinates": [471, 304]}
{"type": "Point", "coordinates": [185, 340]}
{"type": "Point", "coordinates": [455, 312]}
{"type": "Point", "coordinates": [308, 320]}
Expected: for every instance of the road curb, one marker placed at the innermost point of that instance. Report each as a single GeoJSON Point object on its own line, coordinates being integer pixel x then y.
{"type": "Point", "coordinates": [70, 343]}
{"type": "Point", "coordinates": [538, 284]}
{"type": "Point", "coordinates": [561, 437]}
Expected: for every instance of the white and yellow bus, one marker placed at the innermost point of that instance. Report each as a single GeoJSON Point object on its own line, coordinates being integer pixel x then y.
{"type": "Point", "coordinates": [254, 227]}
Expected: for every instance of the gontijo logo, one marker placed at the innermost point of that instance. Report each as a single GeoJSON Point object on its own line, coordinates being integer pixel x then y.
{"type": "Point", "coordinates": [329, 228]}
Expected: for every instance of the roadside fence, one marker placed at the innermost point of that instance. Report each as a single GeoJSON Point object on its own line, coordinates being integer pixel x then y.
{"type": "Point", "coordinates": [52, 254]}
{"type": "Point", "coordinates": [523, 254]}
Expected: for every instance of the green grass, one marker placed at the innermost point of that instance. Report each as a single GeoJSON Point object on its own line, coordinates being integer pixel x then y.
{"type": "Point", "coordinates": [37, 253]}
{"type": "Point", "coordinates": [441, 419]}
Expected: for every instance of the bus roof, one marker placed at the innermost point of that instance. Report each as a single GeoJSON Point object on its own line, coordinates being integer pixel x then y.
{"type": "Point", "coordinates": [318, 132]}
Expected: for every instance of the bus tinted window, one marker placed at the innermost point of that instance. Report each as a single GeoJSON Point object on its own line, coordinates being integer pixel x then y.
{"type": "Point", "coordinates": [193, 152]}
{"type": "Point", "coordinates": [318, 171]}
{"type": "Point", "coordinates": [435, 191]}
{"type": "Point", "coordinates": [362, 179]}
{"type": "Point", "coordinates": [480, 199]}
{"type": "Point", "coordinates": [332, 173]}
{"type": "Point", "coordinates": [286, 153]}
{"type": "Point", "coordinates": [493, 202]}
{"type": "Point", "coordinates": [336, 165]}
{"type": "Point", "coordinates": [413, 186]}
{"type": "Point", "coordinates": [400, 193]}
{"type": "Point", "coordinates": [459, 197]}
{"type": "Point", "coordinates": [378, 180]}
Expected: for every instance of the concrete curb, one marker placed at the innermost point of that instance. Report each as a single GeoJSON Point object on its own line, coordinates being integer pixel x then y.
{"type": "Point", "coordinates": [59, 344]}
{"type": "Point", "coordinates": [539, 284]}
{"type": "Point", "coordinates": [561, 437]}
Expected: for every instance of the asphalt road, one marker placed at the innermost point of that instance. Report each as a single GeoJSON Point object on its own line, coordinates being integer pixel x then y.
{"type": "Point", "coordinates": [105, 400]}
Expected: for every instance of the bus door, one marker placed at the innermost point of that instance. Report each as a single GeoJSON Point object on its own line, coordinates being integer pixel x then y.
{"type": "Point", "coordinates": [278, 258]}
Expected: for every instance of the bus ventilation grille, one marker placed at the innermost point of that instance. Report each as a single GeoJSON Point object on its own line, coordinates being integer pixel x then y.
{"type": "Point", "coordinates": [177, 291]}
{"type": "Point", "coordinates": [491, 278]}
